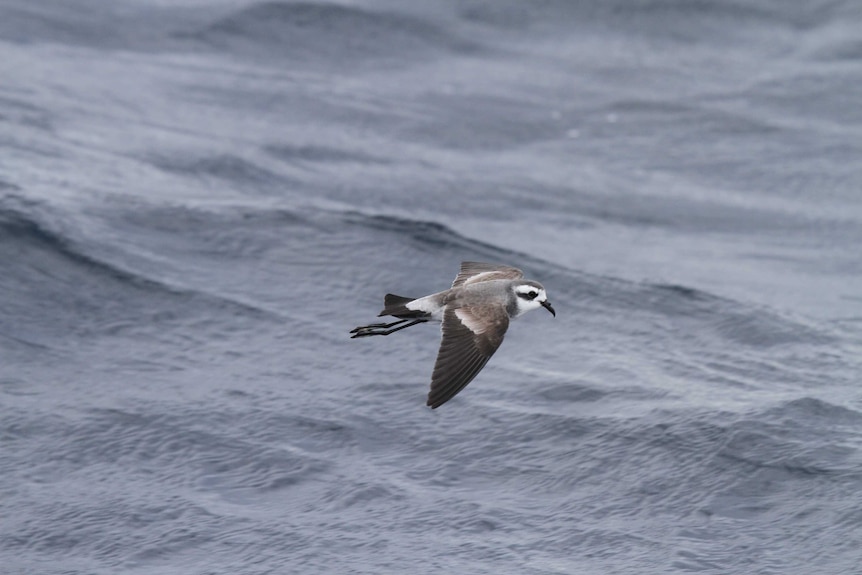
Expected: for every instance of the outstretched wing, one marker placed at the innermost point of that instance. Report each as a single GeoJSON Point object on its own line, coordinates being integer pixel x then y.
{"type": "Point", "coordinates": [472, 272]}
{"type": "Point", "coordinates": [471, 335]}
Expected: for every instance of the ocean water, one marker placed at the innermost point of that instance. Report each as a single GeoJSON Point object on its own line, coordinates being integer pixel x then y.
{"type": "Point", "coordinates": [199, 199]}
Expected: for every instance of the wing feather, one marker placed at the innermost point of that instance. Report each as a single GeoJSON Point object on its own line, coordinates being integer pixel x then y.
{"type": "Point", "coordinates": [464, 353]}
{"type": "Point", "coordinates": [472, 272]}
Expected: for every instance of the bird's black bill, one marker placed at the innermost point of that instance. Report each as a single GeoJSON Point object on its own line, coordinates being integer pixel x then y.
{"type": "Point", "coordinates": [547, 305]}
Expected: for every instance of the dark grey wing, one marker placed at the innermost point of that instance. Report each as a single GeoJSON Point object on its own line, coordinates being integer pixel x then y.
{"type": "Point", "coordinates": [491, 271]}
{"type": "Point", "coordinates": [471, 335]}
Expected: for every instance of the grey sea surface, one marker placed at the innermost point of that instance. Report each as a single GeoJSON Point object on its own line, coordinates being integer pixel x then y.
{"type": "Point", "coordinates": [199, 199]}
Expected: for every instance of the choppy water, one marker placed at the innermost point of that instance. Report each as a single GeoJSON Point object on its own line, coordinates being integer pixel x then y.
{"type": "Point", "coordinates": [199, 199]}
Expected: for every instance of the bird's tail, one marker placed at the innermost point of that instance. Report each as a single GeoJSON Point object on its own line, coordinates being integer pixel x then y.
{"type": "Point", "coordinates": [396, 305]}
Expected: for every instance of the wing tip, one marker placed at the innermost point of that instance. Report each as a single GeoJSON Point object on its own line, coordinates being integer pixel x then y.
{"type": "Point", "coordinates": [435, 402]}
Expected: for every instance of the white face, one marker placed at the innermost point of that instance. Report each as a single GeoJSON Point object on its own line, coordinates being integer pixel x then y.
{"type": "Point", "coordinates": [529, 297]}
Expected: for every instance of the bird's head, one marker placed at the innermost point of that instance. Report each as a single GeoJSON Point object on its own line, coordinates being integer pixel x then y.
{"type": "Point", "coordinates": [530, 295]}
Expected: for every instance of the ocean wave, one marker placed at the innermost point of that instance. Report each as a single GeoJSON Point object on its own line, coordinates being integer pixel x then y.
{"type": "Point", "coordinates": [57, 280]}
{"type": "Point", "coordinates": [321, 154]}
{"type": "Point", "coordinates": [430, 234]}
{"type": "Point", "coordinates": [678, 19]}
{"type": "Point", "coordinates": [23, 233]}
{"type": "Point", "coordinates": [225, 167]}
{"type": "Point", "coordinates": [697, 311]}
{"type": "Point", "coordinates": [332, 33]}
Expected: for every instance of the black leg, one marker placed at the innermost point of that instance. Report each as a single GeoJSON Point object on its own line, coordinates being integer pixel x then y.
{"type": "Point", "coordinates": [381, 329]}
{"type": "Point", "coordinates": [377, 326]}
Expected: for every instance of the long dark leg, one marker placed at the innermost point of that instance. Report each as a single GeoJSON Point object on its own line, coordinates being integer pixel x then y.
{"type": "Point", "coordinates": [382, 328]}
{"type": "Point", "coordinates": [377, 326]}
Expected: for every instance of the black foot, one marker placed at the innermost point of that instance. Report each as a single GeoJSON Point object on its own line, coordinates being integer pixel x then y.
{"type": "Point", "coordinates": [376, 326]}
{"type": "Point", "coordinates": [382, 328]}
